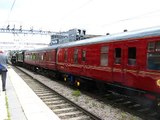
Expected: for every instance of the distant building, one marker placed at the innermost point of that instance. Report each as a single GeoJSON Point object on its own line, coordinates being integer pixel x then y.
{"type": "Point", "coordinates": [68, 36]}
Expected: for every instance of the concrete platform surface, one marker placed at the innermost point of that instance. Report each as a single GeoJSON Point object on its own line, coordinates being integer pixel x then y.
{"type": "Point", "coordinates": [22, 102]}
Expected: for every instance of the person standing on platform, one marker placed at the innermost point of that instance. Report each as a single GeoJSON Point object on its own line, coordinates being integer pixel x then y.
{"type": "Point", "coordinates": [3, 69]}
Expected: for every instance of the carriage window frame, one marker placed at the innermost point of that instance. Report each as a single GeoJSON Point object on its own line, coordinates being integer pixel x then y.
{"type": "Point", "coordinates": [75, 57]}
{"type": "Point", "coordinates": [132, 53]}
{"type": "Point", "coordinates": [83, 55]}
{"type": "Point", "coordinates": [104, 56]}
{"type": "Point", "coordinates": [44, 56]}
{"type": "Point", "coordinates": [50, 56]}
{"type": "Point", "coordinates": [33, 57]}
{"type": "Point", "coordinates": [151, 46]}
{"type": "Point", "coordinates": [117, 55]}
{"type": "Point", "coordinates": [65, 55]}
{"type": "Point", "coordinates": [153, 55]}
{"type": "Point", "coordinates": [47, 56]}
{"type": "Point", "coordinates": [36, 56]}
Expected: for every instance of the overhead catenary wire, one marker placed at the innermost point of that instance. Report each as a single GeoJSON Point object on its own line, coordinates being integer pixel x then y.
{"type": "Point", "coordinates": [131, 18]}
{"type": "Point", "coordinates": [74, 10]}
{"type": "Point", "coordinates": [10, 11]}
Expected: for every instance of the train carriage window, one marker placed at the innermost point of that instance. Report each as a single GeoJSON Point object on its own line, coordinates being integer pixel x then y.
{"type": "Point", "coordinates": [153, 56]}
{"type": "Point", "coordinates": [30, 56]}
{"type": "Point", "coordinates": [33, 56]}
{"type": "Point", "coordinates": [117, 55]}
{"type": "Point", "coordinates": [158, 46]}
{"type": "Point", "coordinates": [36, 57]}
{"type": "Point", "coordinates": [76, 56]}
{"type": "Point", "coordinates": [47, 56]}
{"type": "Point", "coordinates": [44, 57]}
{"type": "Point", "coordinates": [132, 56]}
{"type": "Point", "coordinates": [65, 55]}
{"type": "Point", "coordinates": [104, 56]}
{"type": "Point", "coordinates": [83, 55]}
{"type": "Point", "coordinates": [151, 46]}
{"type": "Point", "coordinates": [50, 56]}
{"type": "Point", "coordinates": [41, 57]}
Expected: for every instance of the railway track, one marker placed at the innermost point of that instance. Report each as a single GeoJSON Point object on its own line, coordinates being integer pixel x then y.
{"type": "Point", "coordinates": [129, 104]}
{"type": "Point", "coordinates": [65, 110]}
{"type": "Point", "coordinates": [60, 105]}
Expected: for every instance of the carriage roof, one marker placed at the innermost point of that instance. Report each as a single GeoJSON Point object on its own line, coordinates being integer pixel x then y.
{"type": "Point", "coordinates": [154, 31]}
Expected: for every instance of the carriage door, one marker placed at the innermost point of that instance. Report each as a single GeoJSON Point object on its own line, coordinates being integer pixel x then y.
{"type": "Point", "coordinates": [131, 62]}
{"type": "Point", "coordinates": [118, 62]}
{"type": "Point", "coordinates": [83, 61]}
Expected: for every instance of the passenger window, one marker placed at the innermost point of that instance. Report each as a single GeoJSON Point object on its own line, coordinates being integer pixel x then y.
{"type": "Point", "coordinates": [117, 56]}
{"type": "Point", "coordinates": [65, 55]}
{"type": "Point", "coordinates": [151, 46]}
{"type": "Point", "coordinates": [153, 57]}
{"type": "Point", "coordinates": [158, 46]}
{"type": "Point", "coordinates": [42, 57]}
{"type": "Point", "coordinates": [76, 56]}
{"type": "Point", "coordinates": [33, 56]}
{"type": "Point", "coordinates": [104, 56]}
{"type": "Point", "coordinates": [83, 55]}
{"type": "Point", "coordinates": [50, 56]}
{"type": "Point", "coordinates": [132, 56]}
{"type": "Point", "coordinates": [47, 56]}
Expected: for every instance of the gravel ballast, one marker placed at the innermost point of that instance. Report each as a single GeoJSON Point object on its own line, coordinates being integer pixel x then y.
{"type": "Point", "coordinates": [103, 110]}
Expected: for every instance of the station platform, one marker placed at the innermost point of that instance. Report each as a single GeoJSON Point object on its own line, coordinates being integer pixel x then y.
{"type": "Point", "coordinates": [19, 102]}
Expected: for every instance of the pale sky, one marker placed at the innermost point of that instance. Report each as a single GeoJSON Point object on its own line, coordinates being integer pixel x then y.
{"type": "Point", "coordinates": [96, 16]}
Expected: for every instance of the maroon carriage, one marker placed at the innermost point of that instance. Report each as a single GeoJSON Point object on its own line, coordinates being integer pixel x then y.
{"type": "Point", "coordinates": [39, 59]}
{"type": "Point", "coordinates": [128, 60]}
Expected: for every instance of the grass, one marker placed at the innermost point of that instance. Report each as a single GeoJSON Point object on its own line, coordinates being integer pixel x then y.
{"type": "Point", "coordinates": [76, 93]}
{"type": "Point", "coordinates": [7, 105]}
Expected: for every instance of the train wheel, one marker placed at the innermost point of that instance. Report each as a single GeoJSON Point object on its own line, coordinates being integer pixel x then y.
{"type": "Point", "coordinates": [101, 87]}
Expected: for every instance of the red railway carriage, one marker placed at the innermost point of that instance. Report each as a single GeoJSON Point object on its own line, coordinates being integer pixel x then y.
{"type": "Point", "coordinates": [129, 59]}
{"type": "Point", "coordinates": [42, 58]}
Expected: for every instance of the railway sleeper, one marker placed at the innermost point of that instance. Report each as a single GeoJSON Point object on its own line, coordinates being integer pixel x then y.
{"type": "Point", "coordinates": [153, 114]}
{"type": "Point", "coordinates": [70, 114]}
{"type": "Point", "coordinates": [120, 100]}
{"type": "Point", "coordinates": [49, 97]}
{"type": "Point", "coordinates": [54, 102]}
{"type": "Point", "coordinates": [59, 106]}
{"type": "Point", "coordinates": [84, 117]}
{"type": "Point", "coordinates": [144, 110]}
{"type": "Point", "coordinates": [127, 103]}
{"type": "Point", "coordinates": [135, 106]}
{"type": "Point", "coordinates": [43, 94]}
{"type": "Point", "coordinates": [65, 110]}
{"type": "Point", "coordinates": [40, 90]}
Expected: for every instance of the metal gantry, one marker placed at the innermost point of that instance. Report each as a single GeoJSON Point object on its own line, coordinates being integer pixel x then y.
{"type": "Point", "coordinates": [19, 34]}
{"type": "Point", "coordinates": [24, 31]}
